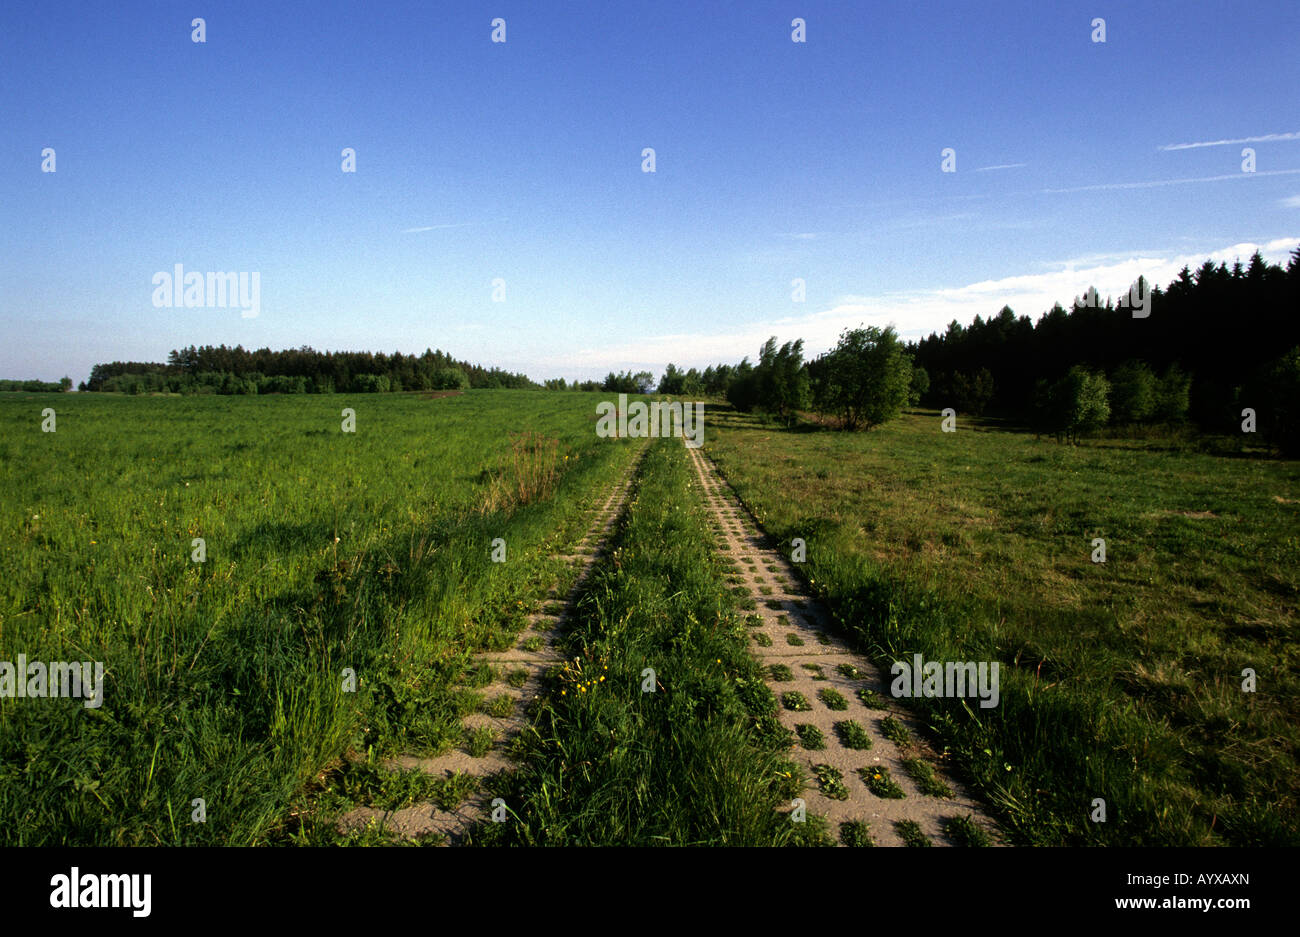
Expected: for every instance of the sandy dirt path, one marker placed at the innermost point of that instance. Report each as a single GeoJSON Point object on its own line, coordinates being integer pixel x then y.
{"type": "Point", "coordinates": [792, 630]}
{"type": "Point", "coordinates": [425, 819]}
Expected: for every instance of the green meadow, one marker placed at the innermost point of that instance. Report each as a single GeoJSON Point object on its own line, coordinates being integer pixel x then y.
{"type": "Point", "coordinates": [325, 553]}
{"type": "Point", "coordinates": [686, 753]}
{"type": "Point", "coordinates": [344, 583]}
{"type": "Point", "coordinates": [1121, 680]}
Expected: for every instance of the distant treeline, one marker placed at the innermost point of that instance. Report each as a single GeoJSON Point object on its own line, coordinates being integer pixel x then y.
{"type": "Point", "coordinates": [1216, 343]}
{"type": "Point", "coordinates": [643, 382]}
{"type": "Point", "coordinates": [1221, 331]}
{"type": "Point", "coordinates": [223, 370]}
{"type": "Point", "coordinates": [37, 387]}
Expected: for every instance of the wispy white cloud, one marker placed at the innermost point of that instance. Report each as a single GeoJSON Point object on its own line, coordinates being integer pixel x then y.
{"type": "Point", "coordinates": [915, 313]}
{"type": "Point", "coordinates": [1266, 138]}
{"type": "Point", "coordinates": [1100, 258]}
{"type": "Point", "coordinates": [1003, 166]}
{"type": "Point", "coordinates": [437, 227]}
{"type": "Point", "coordinates": [803, 236]}
{"type": "Point", "coordinates": [919, 312]}
{"type": "Point", "coordinates": [1292, 202]}
{"type": "Point", "coordinates": [1153, 183]}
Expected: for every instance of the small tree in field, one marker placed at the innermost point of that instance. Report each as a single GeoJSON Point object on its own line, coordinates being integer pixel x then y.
{"type": "Point", "coordinates": [1077, 403]}
{"type": "Point", "coordinates": [866, 379]}
{"type": "Point", "coordinates": [782, 379]}
{"type": "Point", "coordinates": [1134, 393]}
{"type": "Point", "coordinates": [1092, 410]}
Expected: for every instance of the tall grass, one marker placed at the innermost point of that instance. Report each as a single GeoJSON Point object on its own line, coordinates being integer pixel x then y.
{"type": "Point", "coordinates": [325, 550]}
{"type": "Point", "coordinates": [528, 472]}
{"type": "Point", "coordinates": [700, 760]}
{"type": "Point", "coordinates": [1120, 681]}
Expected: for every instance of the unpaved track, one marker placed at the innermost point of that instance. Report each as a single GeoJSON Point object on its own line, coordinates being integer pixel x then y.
{"type": "Point", "coordinates": [425, 819]}
{"type": "Point", "coordinates": [799, 615]}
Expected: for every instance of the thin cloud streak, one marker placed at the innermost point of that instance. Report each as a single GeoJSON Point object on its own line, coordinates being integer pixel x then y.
{"type": "Point", "coordinates": [437, 227]}
{"type": "Point", "coordinates": [1003, 166]}
{"type": "Point", "coordinates": [1154, 183]}
{"type": "Point", "coordinates": [1266, 138]}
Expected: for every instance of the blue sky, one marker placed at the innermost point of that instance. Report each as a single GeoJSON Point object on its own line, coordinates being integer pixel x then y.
{"type": "Point", "coordinates": [522, 161]}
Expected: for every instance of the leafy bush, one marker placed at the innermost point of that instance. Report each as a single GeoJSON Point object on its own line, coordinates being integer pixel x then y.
{"type": "Point", "coordinates": [1134, 393]}
{"type": "Point", "coordinates": [1077, 403]}
{"type": "Point", "coordinates": [370, 384]}
{"type": "Point", "coordinates": [449, 379]}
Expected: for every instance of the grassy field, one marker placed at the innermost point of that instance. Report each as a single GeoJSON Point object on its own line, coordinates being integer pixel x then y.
{"type": "Point", "coordinates": [1121, 680]}
{"type": "Point", "coordinates": [697, 760]}
{"type": "Point", "coordinates": [325, 550]}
